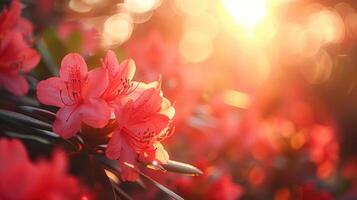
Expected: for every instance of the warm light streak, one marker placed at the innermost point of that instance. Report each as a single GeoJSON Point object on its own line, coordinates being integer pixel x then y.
{"type": "Point", "coordinates": [111, 176]}
{"type": "Point", "coordinates": [236, 99]}
{"type": "Point", "coordinates": [90, 2]}
{"type": "Point", "coordinates": [141, 6]}
{"type": "Point", "coordinates": [246, 13]}
{"type": "Point", "coordinates": [79, 6]}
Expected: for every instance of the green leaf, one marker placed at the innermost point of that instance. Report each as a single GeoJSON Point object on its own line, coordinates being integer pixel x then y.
{"type": "Point", "coordinates": [27, 137]}
{"type": "Point", "coordinates": [10, 99]}
{"type": "Point", "coordinates": [39, 112]}
{"type": "Point", "coordinates": [21, 119]}
{"type": "Point", "coordinates": [45, 133]}
{"type": "Point", "coordinates": [182, 168]}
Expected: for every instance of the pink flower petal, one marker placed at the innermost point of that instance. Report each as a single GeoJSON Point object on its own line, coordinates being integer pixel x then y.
{"type": "Point", "coordinates": [161, 154]}
{"type": "Point", "coordinates": [30, 58]}
{"type": "Point", "coordinates": [110, 62]}
{"type": "Point", "coordinates": [96, 84]}
{"type": "Point", "coordinates": [156, 152]}
{"type": "Point", "coordinates": [25, 26]}
{"type": "Point", "coordinates": [117, 73]}
{"type": "Point", "coordinates": [128, 69]}
{"type": "Point", "coordinates": [156, 123]}
{"type": "Point", "coordinates": [48, 92]}
{"type": "Point", "coordinates": [11, 46]}
{"type": "Point", "coordinates": [114, 146]}
{"type": "Point", "coordinates": [95, 114]}
{"type": "Point", "coordinates": [127, 156]}
{"type": "Point", "coordinates": [14, 83]}
{"type": "Point", "coordinates": [140, 88]}
{"type": "Point", "coordinates": [8, 17]}
{"type": "Point", "coordinates": [167, 109]}
{"type": "Point", "coordinates": [73, 64]}
{"type": "Point", "coordinates": [148, 103]}
{"type": "Point", "coordinates": [68, 121]}
{"type": "Point", "coordinates": [123, 112]}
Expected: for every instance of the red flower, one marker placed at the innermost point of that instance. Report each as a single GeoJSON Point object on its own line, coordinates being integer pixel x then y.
{"type": "Point", "coordinates": [214, 183]}
{"type": "Point", "coordinates": [16, 58]}
{"type": "Point", "coordinates": [22, 179]}
{"type": "Point", "coordinates": [224, 189]}
{"type": "Point", "coordinates": [141, 111]}
{"type": "Point", "coordinates": [119, 76]}
{"type": "Point", "coordinates": [142, 122]}
{"type": "Point", "coordinates": [11, 20]}
{"type": "Point", "coordinates": [77, 92]}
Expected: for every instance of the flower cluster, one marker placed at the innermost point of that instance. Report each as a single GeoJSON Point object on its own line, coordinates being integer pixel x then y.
{"type": "Point", "coordinates": [16, 55]}
{"type": "Point", "coordinates": [93, 97]}
{"type": "Point", "coordinates": [212, 184]}
{"type": "Point", "coordinates": [39, 180]}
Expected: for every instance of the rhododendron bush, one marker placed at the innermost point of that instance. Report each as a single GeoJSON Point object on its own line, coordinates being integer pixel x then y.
{"type": "Point", "coordinates": [178, 99]}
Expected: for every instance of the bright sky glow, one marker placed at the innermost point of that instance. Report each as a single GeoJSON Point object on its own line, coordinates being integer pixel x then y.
{"type": "Point", "coordinates": [247, 13]}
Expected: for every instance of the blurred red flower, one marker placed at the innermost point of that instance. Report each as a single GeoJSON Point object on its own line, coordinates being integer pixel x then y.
{"type": "Point", "coordinates": [22, 179]}
{"type": "Point", "coordinates": [11, 20]}
{"type": "Point", "coordinates": [310, 192]}
{"type": "Point", "coordinates": [16, 57]}
{"type": "Point", "coordinates": [225, 189]}
{"type": "Point", "coordinates": [215, 183]}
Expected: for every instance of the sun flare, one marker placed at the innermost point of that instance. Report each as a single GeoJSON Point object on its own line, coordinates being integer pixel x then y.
{"type": "Point", "coordinates": [246, 13]}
